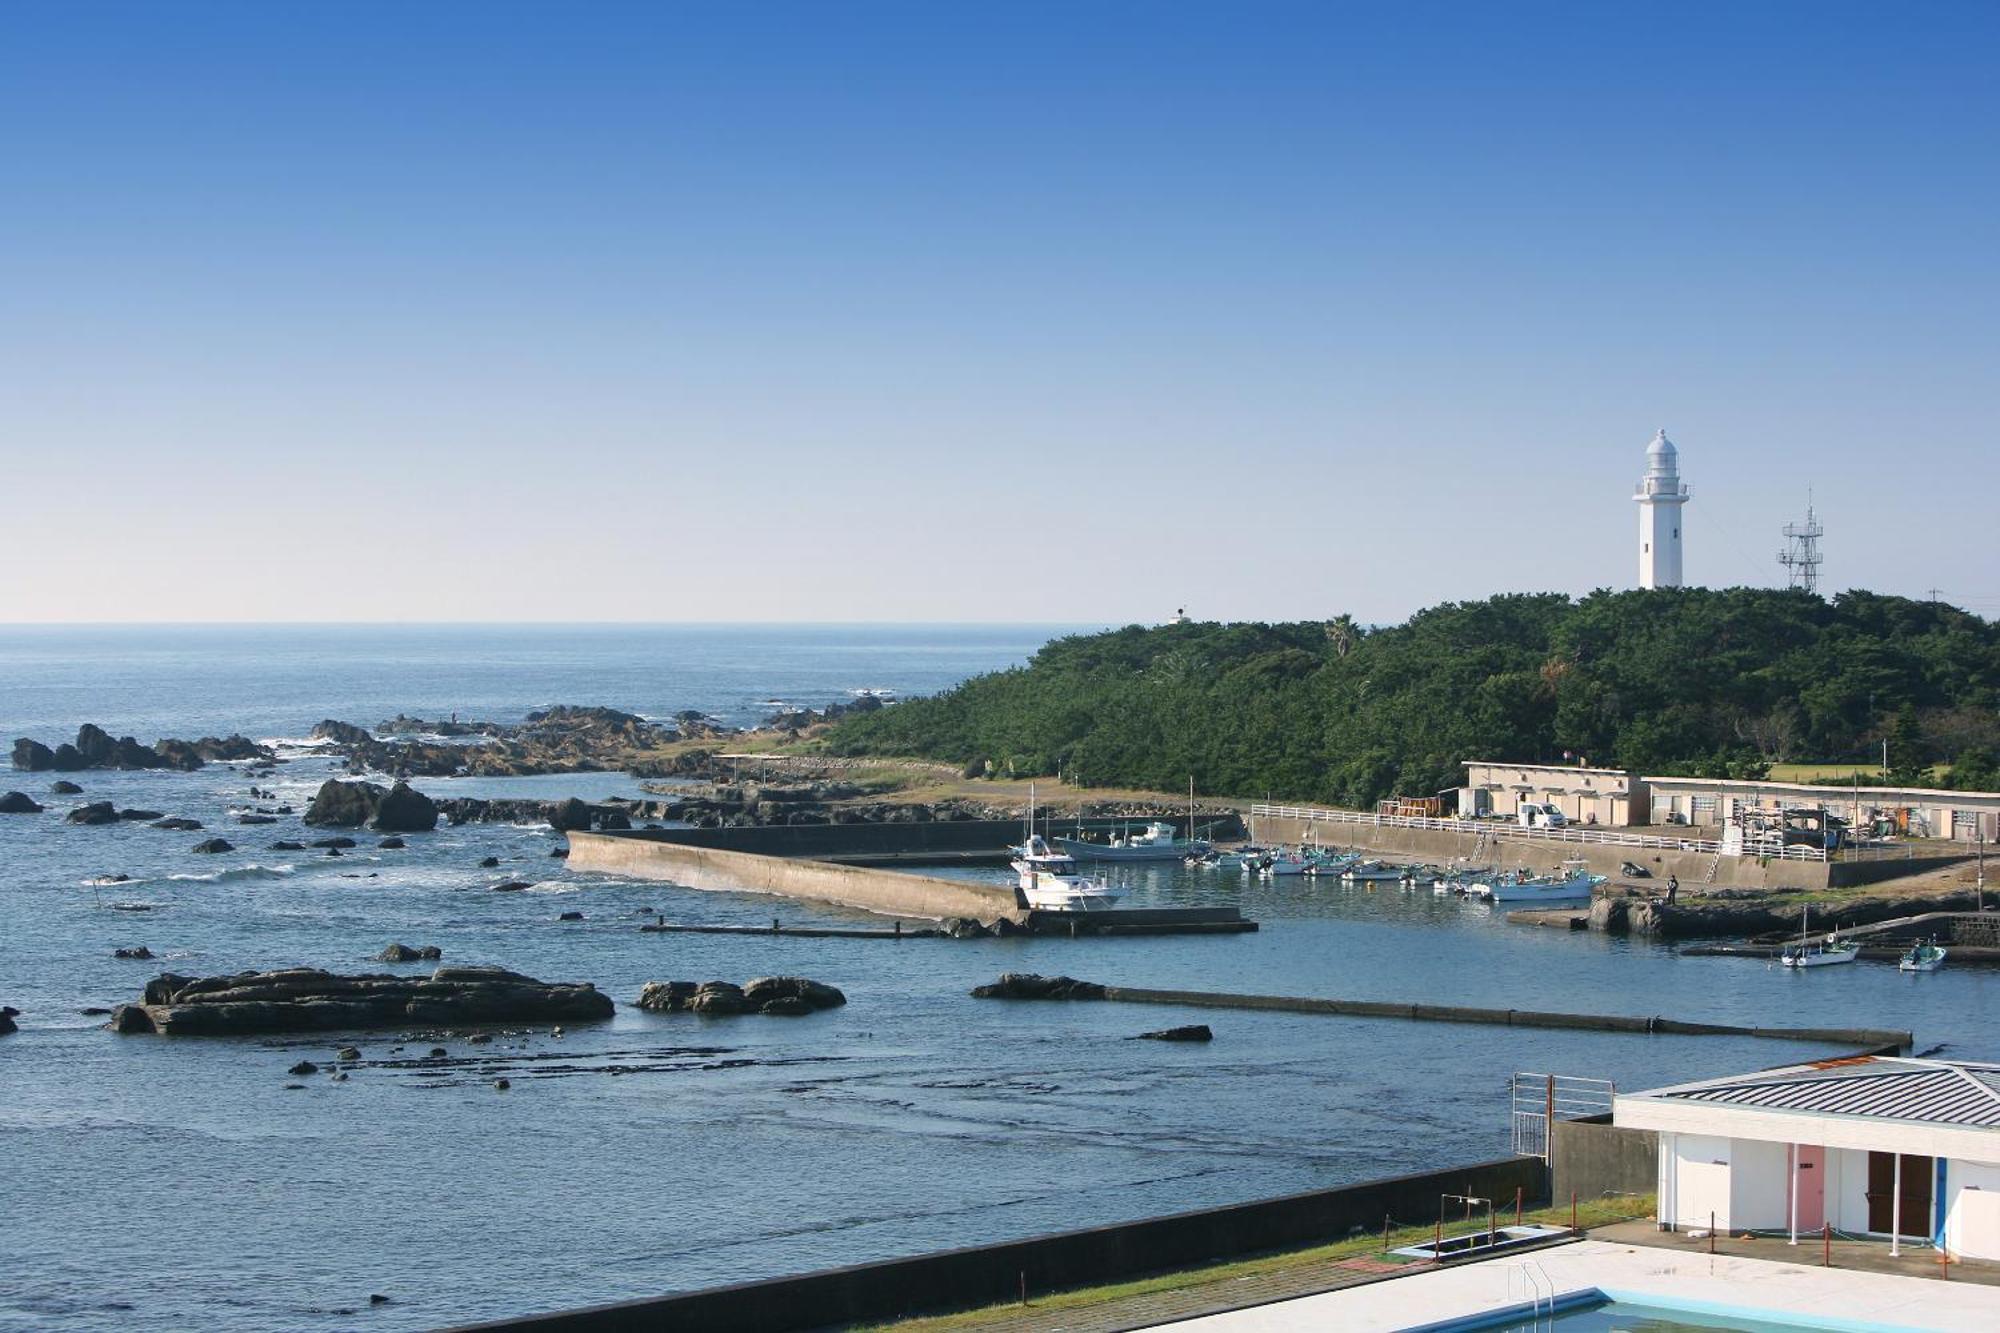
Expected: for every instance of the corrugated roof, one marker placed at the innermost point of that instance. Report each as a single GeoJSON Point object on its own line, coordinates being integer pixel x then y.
{"type": "Point", "coordinates": [1939, 1092]}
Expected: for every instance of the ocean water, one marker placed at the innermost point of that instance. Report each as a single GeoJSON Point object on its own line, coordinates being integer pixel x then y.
{"type": "Point", "coordinates": [170, 1184]}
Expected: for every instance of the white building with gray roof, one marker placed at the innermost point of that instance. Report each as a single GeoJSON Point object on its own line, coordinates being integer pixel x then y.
{"type": "Point", "coordinates": [1900, 1148]}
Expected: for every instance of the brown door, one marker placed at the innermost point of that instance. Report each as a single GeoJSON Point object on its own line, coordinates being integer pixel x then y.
{"type": "Point", "coordinates": [1916, 1193]}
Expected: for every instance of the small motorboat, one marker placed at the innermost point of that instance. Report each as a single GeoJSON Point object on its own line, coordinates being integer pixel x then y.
{"type": "Point", "coordinates": [1817, 953]}
{"type": "Point", "coordinates": [1284, 863]}
{"type": "Point", "coordinates": [1925, 956]}
{"type": "Point", "coordinates": [1375, 870]}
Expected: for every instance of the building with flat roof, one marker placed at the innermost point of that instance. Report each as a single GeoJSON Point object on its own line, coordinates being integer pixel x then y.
{"type": "Point", "coordinates": [1584, 795]}
{"type": "Point", "coordinates": [1616, 797]}
{"type": "Point", "coordinates": [1902, 1148]}
{"type": "Point", "coordinates": [1908, 812]}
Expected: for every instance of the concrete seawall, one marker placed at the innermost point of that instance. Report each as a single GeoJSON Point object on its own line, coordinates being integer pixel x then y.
{"type": "Point", "coordinates": [1874, 1040]}
{"type": "Point", "coordinates": [994, 1274]}
{"type": "Point", "coordinates": [888, 892]}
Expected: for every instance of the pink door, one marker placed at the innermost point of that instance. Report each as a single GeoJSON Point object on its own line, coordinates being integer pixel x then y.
{"type": "Point", "coordinates": [1812, 1188]}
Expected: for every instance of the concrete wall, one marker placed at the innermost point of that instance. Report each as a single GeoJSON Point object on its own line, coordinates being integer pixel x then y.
{"type": "Point", "coordinates": [1594, 1159]}
{"type": "Point", "coordinates": [992, 1274]}
{"type": "Point", "coordinates": [888, 892]}
{"type": "Point", "coordinates": [1972, 1219]}
{"type": "Point", "coordinates": [1508, 853]}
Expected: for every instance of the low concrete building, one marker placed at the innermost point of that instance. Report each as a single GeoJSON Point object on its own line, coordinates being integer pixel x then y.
{"type": "Point", "coordinates": [1584, 795]}
{"type": "Point", "coordinates": [1913, 812]}
{"type": "Point", "coordinates": [1901, 1148]}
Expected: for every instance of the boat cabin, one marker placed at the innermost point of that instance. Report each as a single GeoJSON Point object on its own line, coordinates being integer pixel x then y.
{"type": "Point", "coordinates": [1900, 1148]}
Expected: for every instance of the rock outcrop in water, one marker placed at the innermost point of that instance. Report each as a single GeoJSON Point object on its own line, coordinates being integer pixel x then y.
{"type": "Point", "coordinates": [403, 953]}
{"type": "Point", "coordinates": [1191, 1032]}
{"type": "Point", "coordinates": [309, 1000]}
{"type": "Point", "coordinates": [8, 1013]}
{"type": "Point", "coordinates": [398, 809]}
{"type": "Point", "coordinates": [19, 803]}
{"type": "Point", "coordinates": [785, 997]}
{"type": "Point", "coordinates": [1032, 986]}
{"type": "Point", "coordinates": [96, 748]}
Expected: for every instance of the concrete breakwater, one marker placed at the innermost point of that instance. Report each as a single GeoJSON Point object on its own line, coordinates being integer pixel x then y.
{"type": "Point", "coordinates": [995, 1274]}
{"type": "Point", "coordinates": [647, 854]}
{"type": "Point", "coordinates": [1039, 988]}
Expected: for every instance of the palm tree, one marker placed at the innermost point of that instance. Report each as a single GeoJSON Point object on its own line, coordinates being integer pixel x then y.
{"type": "Point", "coordinates": [1343, 633]}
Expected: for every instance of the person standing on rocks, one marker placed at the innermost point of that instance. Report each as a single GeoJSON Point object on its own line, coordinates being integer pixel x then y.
{"type": "Point", "coordinates": [1673, 889]}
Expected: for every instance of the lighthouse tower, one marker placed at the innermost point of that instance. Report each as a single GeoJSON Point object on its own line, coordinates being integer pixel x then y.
{"type": "Point", "coordinates": [1660, 496]}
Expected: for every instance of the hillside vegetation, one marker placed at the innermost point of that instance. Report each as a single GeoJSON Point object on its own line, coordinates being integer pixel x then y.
{"type": "Point", "coordinates": [1717, 682]}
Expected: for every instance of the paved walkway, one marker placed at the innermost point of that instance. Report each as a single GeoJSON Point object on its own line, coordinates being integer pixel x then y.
{"type": "Point", "coordinates": [1862, 1256]}
{"type": "Point", "coordinates": [1720, 1283]}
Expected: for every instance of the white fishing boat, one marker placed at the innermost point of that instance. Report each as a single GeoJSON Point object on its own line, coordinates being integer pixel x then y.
{"type": "Point", "coordinates": [1924, 956]}
{"type": "Point", "coordinates": [1051, 881]}
{"type": "Point", "coordinates": [1158, 841]}
{"type": "Point", "coordinates": [1571, 886]}
{"type": "Point", "coordinates": [1284, 863]}
{"type": "Point", "coordinates": [1817, 953]}
{"type": "Point", "coordinates": [1375, 870]}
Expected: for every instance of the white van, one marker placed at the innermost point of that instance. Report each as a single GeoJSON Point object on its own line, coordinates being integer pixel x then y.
{"type": "Point", "coordinates": [1533, 814]}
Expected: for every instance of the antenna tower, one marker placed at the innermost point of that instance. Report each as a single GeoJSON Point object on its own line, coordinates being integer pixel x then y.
{"type": "Point", "coordinates": [1801, 557]}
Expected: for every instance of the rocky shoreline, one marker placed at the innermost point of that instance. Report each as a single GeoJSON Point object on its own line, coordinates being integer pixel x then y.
{"type": "Point", "coordinates": [310, 1000]}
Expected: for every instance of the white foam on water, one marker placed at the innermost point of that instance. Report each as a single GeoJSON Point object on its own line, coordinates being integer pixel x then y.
{"type": "Point", "coordinates": [236, 873]}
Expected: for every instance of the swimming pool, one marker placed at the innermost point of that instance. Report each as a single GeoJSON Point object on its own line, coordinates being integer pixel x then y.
{"type": "Point", "coordinates": [1600, 1314]}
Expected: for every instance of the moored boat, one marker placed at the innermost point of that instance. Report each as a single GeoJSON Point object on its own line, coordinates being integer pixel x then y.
{"type": "Point", "coordinates": [1924, 956]}
{"type": "Point", "coordinates": [1052, 882]}
{"type": "Point", "coordinates": [1158, 841]}
{"type": "Point", "coordinates": [1572, 886]}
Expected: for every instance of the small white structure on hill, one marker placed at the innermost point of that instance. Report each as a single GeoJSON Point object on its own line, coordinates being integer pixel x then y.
{"type": "Point", "coordinates": [1902, 1148]}
{"type": "Point", "coordinates": [1660, 496]}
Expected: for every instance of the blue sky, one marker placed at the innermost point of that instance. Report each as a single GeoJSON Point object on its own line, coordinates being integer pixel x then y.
{"type": "Point", "coordinates": [1028, 312]}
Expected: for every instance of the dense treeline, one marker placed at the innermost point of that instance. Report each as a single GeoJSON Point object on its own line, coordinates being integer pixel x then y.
{"type": "Point", "coordinates": [1717, 682]}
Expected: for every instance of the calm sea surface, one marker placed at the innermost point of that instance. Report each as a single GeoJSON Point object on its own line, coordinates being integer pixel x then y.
{"type": "Point", "coordinates": [158, 1184]}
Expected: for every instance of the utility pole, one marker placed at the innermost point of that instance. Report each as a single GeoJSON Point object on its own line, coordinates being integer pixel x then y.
{"type": "Point", "coordinates": [1934, 596]}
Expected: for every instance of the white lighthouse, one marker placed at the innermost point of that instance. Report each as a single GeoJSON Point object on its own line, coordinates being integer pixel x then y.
{"type": "Point", "coordinates": [1660, 496]}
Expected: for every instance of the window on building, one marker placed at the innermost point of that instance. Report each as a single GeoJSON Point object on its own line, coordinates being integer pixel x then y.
{"type": "Point", "coordinates": [1704, 810]}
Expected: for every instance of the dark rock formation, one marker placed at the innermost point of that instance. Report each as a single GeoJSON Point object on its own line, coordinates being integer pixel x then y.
{"type": "Point", "coordinates": [392, 844]}
{"type": "Point", "coordinates": [336, 844]}
{"type": "Point", "coordinates": [18, 803]}
{"type": "Point", "coordinates": [570, 916]}
{"type": "Point", "coordinates": [97, 812]}
{"type": "Point", "coordinates": [403, 809]}
{"type": "Point", "coordinates": [287, 845]}
{"type": "Point", "coordinates": [302, 1068]}
{"type": "Point", "coordinates": [489, 862]}
{"type": "Point", "coordinates": [1029, 986]}
{"type": "Point", "coordinates": [139, 816]}
{"type": "Point", "coordinates": [1192, 1032]}
{"type": "Point", "coordinates": [214, 845]}
{"type": "Point", "coordinates": [511, 886]}
{"type": "Point", "coordinates": [309, 1000]}
{"type": "Point", "coordinates": [64, 787]}
{"type": "Point", "coordinates": [340, 733]}
{"type": "Point", "coordinates": [141, 952]}
{"type": "Point", "coordinates": [403, 953]}
{"type": "Point", "coordinates": [8, 1013]}
{"type": "Point", "coordinates": [777, 996]}
{"type": "Point", "coordinates": [253, 818]}
{"type": "Point", "coordinates": [340, 804]}
{"type": "Point", "coordinates": [568, 815]}
{"type": "Point", "coordinates": [179, 825]}
{"type": "Point", "coordinates": [33, 756]}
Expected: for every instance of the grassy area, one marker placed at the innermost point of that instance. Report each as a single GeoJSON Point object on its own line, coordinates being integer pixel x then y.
{"type": "Point", "coordinates": [1302, 1262]}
